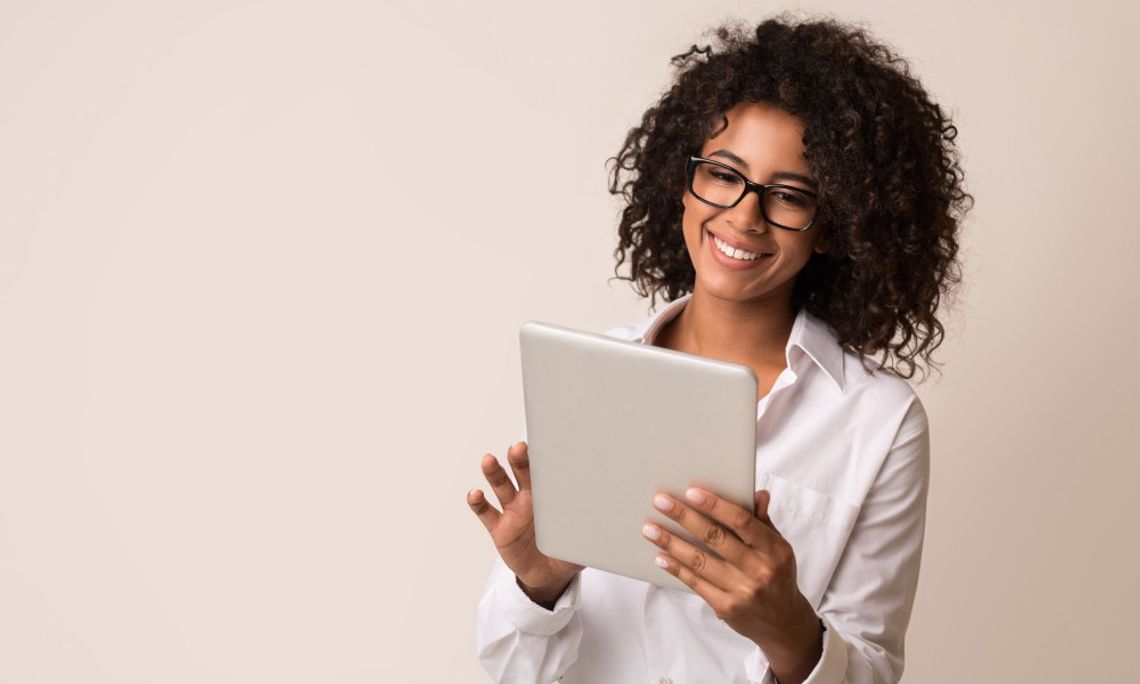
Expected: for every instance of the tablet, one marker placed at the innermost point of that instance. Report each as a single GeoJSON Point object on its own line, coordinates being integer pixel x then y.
{"type": "Point", "coordinates": [609, 423]}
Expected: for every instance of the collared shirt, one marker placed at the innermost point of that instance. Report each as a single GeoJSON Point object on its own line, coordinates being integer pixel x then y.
{"type": "Point", "coordinates": [845, 453]}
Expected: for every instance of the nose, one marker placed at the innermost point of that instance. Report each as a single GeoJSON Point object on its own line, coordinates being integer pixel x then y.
{"type": "Point", "coordinates": [747, 214]}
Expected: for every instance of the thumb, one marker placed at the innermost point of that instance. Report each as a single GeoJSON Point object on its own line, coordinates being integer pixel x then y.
{"type": "Point", "coordinates": [761, 500]}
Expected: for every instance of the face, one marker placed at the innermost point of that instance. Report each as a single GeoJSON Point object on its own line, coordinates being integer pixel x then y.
{"type": "Point", "coordinates": [763, 143]}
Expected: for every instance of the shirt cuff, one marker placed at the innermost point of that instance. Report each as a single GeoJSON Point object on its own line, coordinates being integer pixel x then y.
{"type": "Point", "coordinates": [530, 617]}
{"type": "Point", "coordinates": [832, 665]}
{"type": "Point", "coordinates": [831, 668]}
{"type": "Point", "coordinates": [756, 668]}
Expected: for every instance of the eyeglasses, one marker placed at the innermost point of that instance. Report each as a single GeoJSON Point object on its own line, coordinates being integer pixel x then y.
{"type": "Point", "coordinates": [720, 185]}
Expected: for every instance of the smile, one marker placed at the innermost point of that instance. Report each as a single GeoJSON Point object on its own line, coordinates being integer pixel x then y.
{"type": "Point", "coordinates": [734, 256]}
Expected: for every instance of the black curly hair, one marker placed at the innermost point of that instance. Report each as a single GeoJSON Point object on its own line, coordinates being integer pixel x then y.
{"type": "Point", "coordinates": [890, 184]}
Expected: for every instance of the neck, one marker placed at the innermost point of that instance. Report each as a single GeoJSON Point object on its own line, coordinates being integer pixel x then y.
{"type": "Point", "coordinates": [753, 332]}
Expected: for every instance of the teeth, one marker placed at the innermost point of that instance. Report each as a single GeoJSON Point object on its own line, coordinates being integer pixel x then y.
{"type": "Point", "coordinates": [732, 251]}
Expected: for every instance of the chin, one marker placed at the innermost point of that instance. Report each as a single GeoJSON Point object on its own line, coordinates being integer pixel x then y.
{"type": "Point", "coordinates": [722, 288]}
{"type": "Point", "coordinates": [727, 291]}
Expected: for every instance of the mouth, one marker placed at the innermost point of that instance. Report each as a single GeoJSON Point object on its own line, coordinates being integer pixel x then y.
{"type": "Point", "coordinates": [732, 255]}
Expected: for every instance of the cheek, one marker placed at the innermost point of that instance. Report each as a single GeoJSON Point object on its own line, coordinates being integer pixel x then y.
{"type": "Point", "coordinates": [696, 214]}
{"type": "Point", "coordinates": [796, 247]}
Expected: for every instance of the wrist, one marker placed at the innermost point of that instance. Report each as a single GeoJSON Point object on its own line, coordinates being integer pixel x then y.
{"type": "Point", "coordinates": [793, 656]}
{"type": "Point", "coordinates": [795, 651]}
{"type": "Point", "coordinates": [544, 595]}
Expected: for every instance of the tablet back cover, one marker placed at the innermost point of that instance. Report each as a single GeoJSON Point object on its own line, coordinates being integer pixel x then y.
{"type": "Point", "coordinates": [609, 423]}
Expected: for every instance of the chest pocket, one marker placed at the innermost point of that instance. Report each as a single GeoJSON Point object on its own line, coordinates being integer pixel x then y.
{"type": "Point", "coordinates": [815, 524]}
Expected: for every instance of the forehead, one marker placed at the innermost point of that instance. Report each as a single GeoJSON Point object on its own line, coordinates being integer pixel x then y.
{"type": "Point", "coordinates": [763, 135]}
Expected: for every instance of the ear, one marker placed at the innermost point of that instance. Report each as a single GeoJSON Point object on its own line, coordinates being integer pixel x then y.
{"type": "Point", "coordinates": [821, 245]}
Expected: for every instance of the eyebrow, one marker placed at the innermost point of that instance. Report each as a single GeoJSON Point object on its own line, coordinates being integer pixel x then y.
{"type": "Point", "coordinates": [779, 175]}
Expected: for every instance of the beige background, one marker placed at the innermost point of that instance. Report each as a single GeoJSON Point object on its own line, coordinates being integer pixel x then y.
{"type": "Point", "coordinates": [262, 266]}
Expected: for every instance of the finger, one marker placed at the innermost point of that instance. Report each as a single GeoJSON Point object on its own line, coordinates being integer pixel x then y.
{"type": "Point", "coordinates": [763, 501]}
{"type": "Point", "coordinates": [488, 514]}
{"type": "Point", "coordinates": [740, 521]}
{"type": "Point", "coordinates": [719, 539]}
{"type": "Point", "coordinates": [712, 595]}
{"type": "Point", "coordinates": [497, 477]}
{"type": "Point", "coordinates": [709, 567]}
{"type": "Point", "coordinates": [518, 455]}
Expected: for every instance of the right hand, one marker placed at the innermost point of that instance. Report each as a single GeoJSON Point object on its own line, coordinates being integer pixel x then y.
{"type": "Point", "coordinates": [512, 530]}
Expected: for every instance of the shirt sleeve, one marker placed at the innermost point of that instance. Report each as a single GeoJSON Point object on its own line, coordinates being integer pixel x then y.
{"type": "Point", "coordinates": [866, 608]}
{"type": "Point", "coordinates": [519, 641]}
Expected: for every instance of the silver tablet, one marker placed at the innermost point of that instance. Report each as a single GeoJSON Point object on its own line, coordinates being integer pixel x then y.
{"type": "Point", "coordinates": [609, 423]}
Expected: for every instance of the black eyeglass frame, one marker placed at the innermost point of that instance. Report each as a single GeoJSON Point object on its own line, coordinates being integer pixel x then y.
{"type": "Point", "coordinates": [749, 186]}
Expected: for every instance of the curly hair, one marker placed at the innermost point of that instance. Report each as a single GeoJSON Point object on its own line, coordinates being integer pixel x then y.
{"type": "Point", "coordinates": [890, 184]}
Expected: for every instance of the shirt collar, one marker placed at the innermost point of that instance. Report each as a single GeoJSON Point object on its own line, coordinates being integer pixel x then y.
{"type": "Point", "coordinates": [811, 335]}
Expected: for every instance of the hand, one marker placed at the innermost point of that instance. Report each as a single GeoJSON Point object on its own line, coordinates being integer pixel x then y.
{"type": "Point", "coordinates": [750, 578]}
{"type": "Point", "coordinates": [543, 578]}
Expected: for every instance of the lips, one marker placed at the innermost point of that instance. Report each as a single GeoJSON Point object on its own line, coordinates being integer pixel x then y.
{"type": "Point", "coordinates": [738, 245]}
{"type": "Point", "coordinates": [733, 264]}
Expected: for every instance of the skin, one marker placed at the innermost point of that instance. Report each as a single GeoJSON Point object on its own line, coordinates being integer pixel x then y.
{"type": "Point", "coordinates": [741, 316]}
{"type": "Point", "coordinates": [541, 577]}
{"type": "Point", "coordinates": [746, 316]}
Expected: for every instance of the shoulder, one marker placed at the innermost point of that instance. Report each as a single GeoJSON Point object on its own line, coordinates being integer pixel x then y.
{"type": "Point", "coordinates": [865, 386]}
{"type": "Point", "coordinates": [895, 405]}
{"type": "Point", "coordinates": [891, 428]}
{"type": "Point", "coordinates": [868, 378]}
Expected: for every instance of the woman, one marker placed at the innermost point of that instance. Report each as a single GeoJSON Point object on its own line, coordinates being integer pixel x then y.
{"type": "Point", "coordinates": [795, 197]}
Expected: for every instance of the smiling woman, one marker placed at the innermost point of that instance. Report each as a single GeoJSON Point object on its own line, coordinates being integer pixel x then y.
{"type": "Point", "coordinates": [827, 108]}
{"type": "Point", "coordinates": [721, 217]}
{"type": "Point", "coordinates": [795, 197]}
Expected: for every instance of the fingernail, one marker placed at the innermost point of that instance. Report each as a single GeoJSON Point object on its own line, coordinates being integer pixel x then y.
{"type": "Point", "coordinates": [661, 562]}
{"type": "Point", "coordinates": [662, 502]}
{"type": "Point", "coordinates": [695, 495]}
{"type": "Point", "coordinates": [651, 532]}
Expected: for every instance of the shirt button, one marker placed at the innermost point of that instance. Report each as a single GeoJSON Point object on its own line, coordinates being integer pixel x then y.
{"type": "Point", "coordinates": [666, 680]}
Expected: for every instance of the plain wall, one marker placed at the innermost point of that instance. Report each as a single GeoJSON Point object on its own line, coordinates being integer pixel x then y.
{"type": "Point", "coordinates": [262, 266]}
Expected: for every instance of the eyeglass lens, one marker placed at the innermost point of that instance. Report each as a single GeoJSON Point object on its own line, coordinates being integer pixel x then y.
{"type": "Point", "coordinates": [781, 205]}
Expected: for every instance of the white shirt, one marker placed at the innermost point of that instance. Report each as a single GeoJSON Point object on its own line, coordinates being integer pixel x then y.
{"type": "Point", "coordinates": [845, 454]}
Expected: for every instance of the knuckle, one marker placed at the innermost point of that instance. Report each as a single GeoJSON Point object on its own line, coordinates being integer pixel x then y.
{"type": "Point", "coordinates": [741, 519]}
{"type": "Point", "coordinates": [783, 555]}
{"type": "Point", "coordinates": [753, 592]}
{"type": "Point", "coordinates": [728, 610]}
{"type": "Point", "coordinates": [690, 579]}
{"type": "Point", "coordinates": [698, 560]}
{"type": "Point", "coordinates": [714, 536]}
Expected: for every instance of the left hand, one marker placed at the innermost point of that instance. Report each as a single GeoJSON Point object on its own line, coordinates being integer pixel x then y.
{"type": "Point", "coordinates": [749, 580]}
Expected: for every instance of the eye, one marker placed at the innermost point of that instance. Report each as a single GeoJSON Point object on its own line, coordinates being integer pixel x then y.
{"type": "Point", "coordinates": [724, 176]}
{"type": "Point", "coordinates": [790, 197]}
